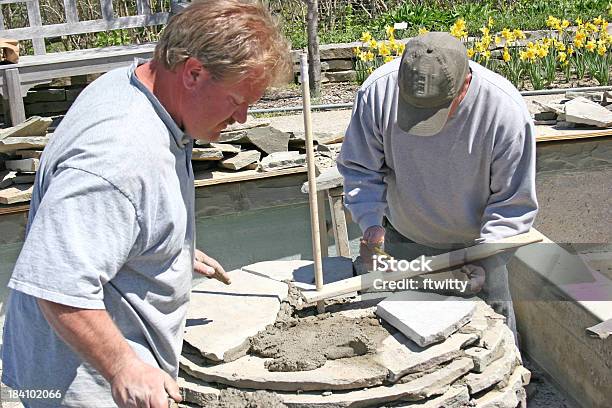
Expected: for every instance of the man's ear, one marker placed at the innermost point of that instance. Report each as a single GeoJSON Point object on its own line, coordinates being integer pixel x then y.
{"type": "Point", "coordinates": [193, 73]}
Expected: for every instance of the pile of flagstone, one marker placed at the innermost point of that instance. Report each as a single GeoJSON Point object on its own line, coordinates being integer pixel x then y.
{"type": "Point", "coordinates": [254, 343]}
{"type": "Point", "coordinates": [254, 145]}
{"type": "Point", "coordinates": [577, 109]}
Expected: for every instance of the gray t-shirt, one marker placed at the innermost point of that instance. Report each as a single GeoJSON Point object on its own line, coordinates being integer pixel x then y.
{"type": "Point", "coordinates": [474, 180]}
{"type": "Point", "coordinates": [111, 226]}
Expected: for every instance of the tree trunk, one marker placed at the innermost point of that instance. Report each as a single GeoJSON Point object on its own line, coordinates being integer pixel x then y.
{"type": "Point", "coordinates": [314, 58]}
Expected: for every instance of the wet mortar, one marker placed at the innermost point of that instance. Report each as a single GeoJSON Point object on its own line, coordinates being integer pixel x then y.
{"type": "Point", "coordinates": [301, 340]}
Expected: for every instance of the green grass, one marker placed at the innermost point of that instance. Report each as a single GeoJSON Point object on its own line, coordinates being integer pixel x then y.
{"type": "Point", "coordinates": [440, 14]}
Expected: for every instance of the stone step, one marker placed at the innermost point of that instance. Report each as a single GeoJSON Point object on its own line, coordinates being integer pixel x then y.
{"type": "Point", "coordinates": [18, 194]}
{"type": "Point", "coordinates": [22, 165]}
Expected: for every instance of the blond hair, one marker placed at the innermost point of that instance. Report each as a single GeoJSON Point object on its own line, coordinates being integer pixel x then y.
{"type": "Point", "coordinates": [232, 39]}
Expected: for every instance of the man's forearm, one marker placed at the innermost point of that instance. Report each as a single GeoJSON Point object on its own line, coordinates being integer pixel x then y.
{"type": "Point", "coordinates": [92, 335]}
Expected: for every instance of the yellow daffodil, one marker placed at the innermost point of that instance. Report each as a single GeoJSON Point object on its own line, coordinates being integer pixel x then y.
{"type": "Point", "coordinates": [373, 43]}
{"type": "Point", "coordinates": [507, 35]}
{"type": "Point", "coordinates": [570, 51]}
{"type": "Point", "coordinates": [590, 46]}
{"type": "Point", "coordinates": [356, 51]}
{"type": "Point", "coordinates": [506, 55]}
{"type": "Point", "coordinates": [490, 22]}
{"type": "Point", "coordinates": [597, 20]}
{"type": "Point", "coordinates": [388, 58]}
{"type": "Point", "coordinates": [553, 22]}
{"type": "Point", "coordinates": [401, 48]}
{"type": "Point", "coordinates": [366, 36]}
{"type": "Point", "coordinates": [601, 50]}
{"type": "Point", "coordinates": [560, 46]}
{"type": "Point", "coordinates": [470, 52]}
{"type": "Point", "coordinates": [580, 35]}
{"type": "Point", "coordinates": [565, 64]}
{"type": "Point", "coordinates": [497, 40]}
{"type": "Point", "coordinates": [369, 56]}
{"type": "Point", "coordinates": [485, 31]}
{"type": "Point", "coordinates": [458, 29]}
{"type": "Point", "coordinates": [423, 30]}
{"type": "Point", "coordinates": [562, 57]}
{"type": "Point", "coordinates": [370, 70]}
{"type": "Point", "coordinates": [542, 51]}
{"type": "Point", "coordinates": [383, 49]}
{"type": "Point", "coordinates": [486, 55]}
{"type": "Point", "coordinates": [390, 32]}
{"type": "Point", "coordinates": [519, 34]}
{"type": "Point", "coordinates": [564, 24]}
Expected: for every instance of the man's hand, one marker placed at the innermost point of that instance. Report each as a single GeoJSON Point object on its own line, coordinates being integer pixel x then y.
{"type": "Point", "coordinates": [373, 237]}
{"type": "Point", "coordinates": [207, 266]}
{"type": "Point", "coordinates": [139, 385]}
{"type": "Point", "coordinates": [477, 277]}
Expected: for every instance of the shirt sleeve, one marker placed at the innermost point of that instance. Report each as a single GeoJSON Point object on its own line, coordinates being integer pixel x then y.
{"type": "Point", "coordinates": [512, 205]}
{"type": "Point", "coordinates": [361, 163]}
{"type": "Point", "coordinates": [81, 235]}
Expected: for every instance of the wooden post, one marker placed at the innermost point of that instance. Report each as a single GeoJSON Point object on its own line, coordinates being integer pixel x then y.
{"type": "Point", "coordinates": [312, 188]}
{"type": "Point", "coordinates": [314, 57]}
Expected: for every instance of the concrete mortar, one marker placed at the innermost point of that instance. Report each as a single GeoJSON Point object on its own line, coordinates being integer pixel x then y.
{"type": "Point", "coordinates": [307, 343]}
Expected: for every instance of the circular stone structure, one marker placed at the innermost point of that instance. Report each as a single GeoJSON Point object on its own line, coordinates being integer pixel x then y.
{"type": "Point", "coordinates": [349, 357]}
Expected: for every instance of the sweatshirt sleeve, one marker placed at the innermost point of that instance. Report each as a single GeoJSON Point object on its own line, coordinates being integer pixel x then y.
{"type": "Point", "coordinates": [361, 163]}
{"type": "Point", "coordinates": [512, 205]}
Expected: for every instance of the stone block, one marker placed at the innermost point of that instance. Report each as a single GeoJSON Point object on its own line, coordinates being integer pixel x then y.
{"type": "Point", "coordinates": [337, 65]}
{"type": "Point", "coordinates": [10, 144]}
{"type": "Point", "coordinates": [268, 139]}
{"type": "Point", "coordinates": [48, 107]}
{"type": "Point", "coordinates": [341, 76]}
{"type": "Point", "coordinates": [17, 194]}
{"type": "Point", "coordinates": [282, 160]}
{"type": "Point", "coordinates": [29, 154]}
{"type": "Point", "coordinates": [241, 160]}
{"type": "Point", "coordinates": [545, 116]}
{"type": "Point", "coordinates": [207, 153]}
{"type": "Point", "coordinates": [250, 123]}
{"type": "Point", "coordinates": [33, 126]}
{"type": "Point", "coordinates": [237, 136]}
{"type": "Point", "coordinates": [24, 178]}
{"type": "Point", "coordinates": [7, 177]}
{"type": "Point", "coordinates": [73, 93]}
{"type": "Point", "coordinates": [581, 110]}
{"type": "Point", "coordinates": [426, 318]}
{"type": "Point", "coordinates": [45, 95]}
{"type": "Point", "coordinates": [23, 164]}
{"type": "Point", "coordinates": [221, 318]}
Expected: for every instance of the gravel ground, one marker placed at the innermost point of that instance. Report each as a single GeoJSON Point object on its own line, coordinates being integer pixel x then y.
{"type": "Point", "coordinates": [291, 95]}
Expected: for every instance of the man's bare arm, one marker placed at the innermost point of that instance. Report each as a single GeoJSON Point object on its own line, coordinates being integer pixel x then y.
{"type": "Point", "coordinates": [94, 337]}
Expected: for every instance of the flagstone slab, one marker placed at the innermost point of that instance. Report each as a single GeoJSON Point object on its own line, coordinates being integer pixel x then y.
{"type": "Point", "coordinates": [455, 397]}
{"type": "Point", "coordinates": [17, 143]}
{"type": "Point", "coordinates": [24, 178]}
{"type": "Point", "coordinates": [581, 110]}
{"type": "Point", "coordinates": [511, 396]}
{"type": "Point", "coordinates": [250, 372]}
{"type": "Point", "coordinates": [269, 139]}
{"type": "Point", "coordinates": [334, 269]}
{"type": "Point", "coordinates": [498, 371]}
{"type": "Point", "coordinates": [221, 318]}
{"type": "Point", "coordinates": [436, 383]}
{"type": "Point", "coordinates": [226, 147]}
{"type": "Point", "coordinates": [196, 391]}
{"type": "Point", "coordinates": [401, 356]}
{"type": "Point", "coordinates": [7, 178]}
{"type": "Point", "coordinates": [18, 193]}
{"type": "Point", "coordinates": [241, 160]}
{"type": "Point", "coordinates": [22, 164]}
{"type": "Point", "coordinates": [29, 154]}
{"type": "Point", "coordinates": [426, 318]}
{"type": "Point", "coordinates": [206, 153]}
{"type": "Point", "coordinates": [33, 126]}
{"type": "Point", "coordinates": [282, 160]}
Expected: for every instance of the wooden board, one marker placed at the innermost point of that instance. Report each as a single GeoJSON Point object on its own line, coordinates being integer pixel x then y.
{"type": "Point", "coordinates": [439, 262]}
{"type": "Point", "coordinates": [549, 133]}
{"type": "Point", "coordinates": [209, 178]}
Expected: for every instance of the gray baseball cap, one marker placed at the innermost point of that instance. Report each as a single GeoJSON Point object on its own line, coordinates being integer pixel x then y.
{"type": "Point", "coordinates": [431, 74]}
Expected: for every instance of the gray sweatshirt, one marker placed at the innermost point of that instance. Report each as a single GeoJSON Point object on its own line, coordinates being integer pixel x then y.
{"type": "Point", "coordinates": [475, 180]}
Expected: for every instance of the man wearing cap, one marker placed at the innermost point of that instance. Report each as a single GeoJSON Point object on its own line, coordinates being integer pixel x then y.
{"type": "Point", "coordinates": [439, 155]}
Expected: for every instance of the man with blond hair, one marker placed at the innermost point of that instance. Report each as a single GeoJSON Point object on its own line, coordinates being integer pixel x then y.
{"type": "Point", "coordinates": [100, 290]}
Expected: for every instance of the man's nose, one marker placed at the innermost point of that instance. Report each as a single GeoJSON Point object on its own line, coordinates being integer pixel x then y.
{"type": "Point", "coordinates": [240, 114]}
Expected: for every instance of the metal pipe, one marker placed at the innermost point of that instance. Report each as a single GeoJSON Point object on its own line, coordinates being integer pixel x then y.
{"type": "Point", "coordinates": [350, 105]}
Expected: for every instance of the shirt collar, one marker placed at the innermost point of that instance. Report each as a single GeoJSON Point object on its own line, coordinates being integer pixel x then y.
{"type": "Point", "coordinates": [182, 139]}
